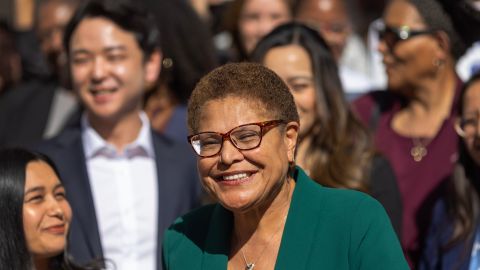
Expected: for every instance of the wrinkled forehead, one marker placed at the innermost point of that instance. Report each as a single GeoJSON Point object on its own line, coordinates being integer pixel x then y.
{"type": "Point", "coordinates": [238, 109]}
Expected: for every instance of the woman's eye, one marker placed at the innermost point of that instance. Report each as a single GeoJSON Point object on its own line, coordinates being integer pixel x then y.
{"type": "Point", "coordinates": [299, 85]}
{"type": "Point", "coordinates": [35, 199]}
{"type": "Point", "coordinates": [60, 195]}
{"type": "Point", "coordinates": [247, 136]}
{"type": "Point", "coordinates": [469, 122]}
{"type": "Point", "coordinates": [209, 143]}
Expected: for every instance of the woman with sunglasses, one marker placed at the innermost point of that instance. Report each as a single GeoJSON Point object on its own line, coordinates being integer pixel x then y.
{"type": "Point", "coordinates": [413, 121]}
{"type": "Point", "coordinates": [453, 241]}
{"type": "Point", "coordinates": [35, 214]}
{"type": "Point", "coordinates": [270, 214]}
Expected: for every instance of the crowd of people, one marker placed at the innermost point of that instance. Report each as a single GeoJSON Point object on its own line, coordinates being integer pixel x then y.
{"type": "Point", "coordinates": [240, 134]}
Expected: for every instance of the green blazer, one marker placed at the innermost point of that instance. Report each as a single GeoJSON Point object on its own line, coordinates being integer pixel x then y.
{"type": "Point", "coordinates": [325, 229]}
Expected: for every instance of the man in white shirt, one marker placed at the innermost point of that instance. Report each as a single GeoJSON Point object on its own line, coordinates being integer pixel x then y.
{"type": "Point", "coordinates": [125, 183]}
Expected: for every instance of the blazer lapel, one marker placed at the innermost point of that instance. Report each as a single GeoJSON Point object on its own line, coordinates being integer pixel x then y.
{"type": "Point", "coordinates": [217, 243]}
{"type": "Point", "coordinates": [80, 195]}
{"type": "Point", "coordinates": [295, 251]}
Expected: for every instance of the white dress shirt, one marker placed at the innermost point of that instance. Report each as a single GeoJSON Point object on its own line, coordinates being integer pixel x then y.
{"type": "Point", "coordinates": [124, 189]}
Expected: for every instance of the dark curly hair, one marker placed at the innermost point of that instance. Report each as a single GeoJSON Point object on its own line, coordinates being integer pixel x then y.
{"type": "Point", "coordinates": [249, 81]}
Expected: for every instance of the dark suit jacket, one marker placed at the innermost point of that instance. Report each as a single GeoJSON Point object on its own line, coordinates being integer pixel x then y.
{"type": "Point", "coordinates": [25, 112]}
{"type": "Point", "coordinates": [178, 188]}
{"type": "Point", "coordinates": [328, 229]}
{"type": "Point", "coordinates": [434, 257]}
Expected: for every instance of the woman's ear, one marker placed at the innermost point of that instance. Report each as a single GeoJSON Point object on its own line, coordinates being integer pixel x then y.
{"type": "Point", "coordinates": [444, 45]}
{"type": "Point", "coordinates": [291, 137]}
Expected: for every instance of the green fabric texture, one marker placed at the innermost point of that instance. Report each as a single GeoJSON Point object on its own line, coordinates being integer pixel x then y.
{"type": "Point", "coordinates": [325, 229]}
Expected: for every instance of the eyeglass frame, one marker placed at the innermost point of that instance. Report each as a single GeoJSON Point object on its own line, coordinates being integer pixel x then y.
{"type": "Point", "coordinates": [226, 136]}
{"type": "Point", "coordinates": [459, 123]}
{"type": "Point", "coordinates": [401, 33]}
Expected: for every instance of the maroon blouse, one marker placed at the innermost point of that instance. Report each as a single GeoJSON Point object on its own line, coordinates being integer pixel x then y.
{"type": "Point", "coordinates": [419, 182]}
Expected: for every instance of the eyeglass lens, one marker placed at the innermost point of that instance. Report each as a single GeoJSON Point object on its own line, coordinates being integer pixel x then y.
{"type": "Point", "coordinates": [243, 138]}
{"type": "Point", "coordinates": [469, 125]}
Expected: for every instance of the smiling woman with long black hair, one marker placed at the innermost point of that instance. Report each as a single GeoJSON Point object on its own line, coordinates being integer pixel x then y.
{"type": "Point", "coordinates": [35, 214]}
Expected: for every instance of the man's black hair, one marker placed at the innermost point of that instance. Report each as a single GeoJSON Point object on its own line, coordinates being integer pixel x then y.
{"type": "Point", "coordinates": [129, 15]}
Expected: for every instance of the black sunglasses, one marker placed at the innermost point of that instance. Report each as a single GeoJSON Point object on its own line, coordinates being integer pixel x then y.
{"type": "Point", "coordinates": [391, 35]}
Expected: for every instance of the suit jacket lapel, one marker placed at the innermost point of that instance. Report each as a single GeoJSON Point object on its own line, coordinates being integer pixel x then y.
{"type": "Point", "coordinates": [295, 251]}
{"type": "Point", "coordinates": [80, 194]}
{"type": "Point", "coordinates": [162, 152]}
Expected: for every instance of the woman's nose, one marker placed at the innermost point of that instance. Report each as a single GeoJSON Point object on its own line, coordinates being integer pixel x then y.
{"type": "Point", "coordinates": [382, 46]}
{"type": "Point", "coordinates": [54, 208]}
{"type": "Point", "coordinates": [229, 154]}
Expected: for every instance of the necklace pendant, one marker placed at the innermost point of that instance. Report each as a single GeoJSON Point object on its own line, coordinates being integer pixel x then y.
{"type": "Point", "coordinates": [418, 152]}
{"type": "Point", "coordinates": [249, 266]}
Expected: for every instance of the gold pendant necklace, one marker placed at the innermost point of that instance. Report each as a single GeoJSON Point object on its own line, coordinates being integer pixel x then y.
{"type": "Point", "coordinates": [419, 149]}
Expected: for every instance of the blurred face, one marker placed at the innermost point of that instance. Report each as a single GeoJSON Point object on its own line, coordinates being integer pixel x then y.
{"type": "Point", "coordinates": [292, 63]}
{"type": "Point", "coordinates": [52, 20]}
{"type": "Point", "coordinates": [258, 18]}
{"type": "Point", "coordinates": [243, 180]}
{"type": "Point", "coordinates": [10, 65]}
{"type": "Point", "coordinates": [46, 212]}
{"type": "Point", "coordinates": [109, 71]}
{"type": "Point", "coordinates": [471, 123]}
{"type": "Point", "coordinates": [408, 61]}
{"type": "Point", "coordinates": [331, 18]}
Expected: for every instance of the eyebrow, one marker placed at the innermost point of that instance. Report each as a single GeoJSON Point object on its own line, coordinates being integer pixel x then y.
{"type": "Point", "coordinates": [300, 77]}
{"type": "Point", "coordinates": [34, 189]}
{"type": "Point", "coordinates": [108, 49]}
{"type": "Point", "coordinates": [115, 48]}
{"type": "Point", "coordinates": [57, 186]}
{"type": "Point", "coordinates": [40, 189]}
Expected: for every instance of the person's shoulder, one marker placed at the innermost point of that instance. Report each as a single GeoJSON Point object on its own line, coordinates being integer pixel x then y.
{"type": "Point", "coordinates": [198, 217]}
{"type": "Point", "coordinates": [374, 102]}
{"type": "Point", "coordinates": [349, 201]}
{"type": "Point", "coordinates": [193, 225]}
{"type": "Point", "coordinates": [171, 145]}
{"type": "Point", "coordinates": [332, 199]}
{"type": "Point", "coordinates": [67, 137]}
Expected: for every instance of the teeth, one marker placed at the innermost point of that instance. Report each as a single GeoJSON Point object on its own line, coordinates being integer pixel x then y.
{"type": "Point", "coordinates": [235, 176]}
{"type": "Point", "coordinates": [100, 92]}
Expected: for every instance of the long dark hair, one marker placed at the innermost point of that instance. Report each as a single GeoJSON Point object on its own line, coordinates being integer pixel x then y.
{"type": "Point", "coordinates": [14, 252]}
{"type": "Point", "coordinates": [340, 148]}
{"type": "Point", "coordinates": [463, 202]}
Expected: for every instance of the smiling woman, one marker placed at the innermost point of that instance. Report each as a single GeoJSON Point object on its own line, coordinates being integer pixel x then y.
{"type": "Point", "coordinates": [413, 122]}
{"type": "Point", "coordinates": [35, 213]}
{"type": "Point", "coordinates": [270, 214]}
